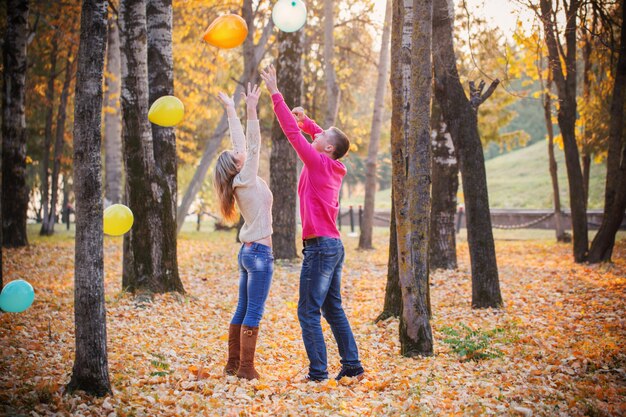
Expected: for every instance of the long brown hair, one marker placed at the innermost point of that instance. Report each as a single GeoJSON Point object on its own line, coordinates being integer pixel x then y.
{"type": "Point", "coordinates": [225, 172]}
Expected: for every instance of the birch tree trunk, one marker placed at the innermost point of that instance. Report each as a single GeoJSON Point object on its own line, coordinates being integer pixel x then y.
{"type": "Point", "coordinates": [460, 114]}
{"type": "Point", "coordinates": [14, 187]}
{"type": "Point", "coordinates": [252, 55]}
{"type": "Point", "coordinates": [45, 159]}
{"type": "Point", "coordinates": [367, 224]}
{"type": "Point", "coordinates": [565, 81]}
{"type": "Point", "coordinates": [59, 142]}
{"type": "Point", "coordinates": [332, 88]}
{"type": "Point", "coordinates": [411, 86]}
{"type": "Point", "coordinates": [112, 118]}
{"type": "Point", "coordinates": [442, 251]}
{"type": "Point", "coordinates": [615, 191]}
{"type": "Point", "coordinates": [148, 264]}
{"type": "Point", "coordinates": [90, 372]}
{"type": "Point", "coordinates": [283, 159]}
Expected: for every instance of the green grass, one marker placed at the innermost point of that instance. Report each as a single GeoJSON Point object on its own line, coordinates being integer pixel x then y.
{"type": "Point", "coordinates": [518, 179]}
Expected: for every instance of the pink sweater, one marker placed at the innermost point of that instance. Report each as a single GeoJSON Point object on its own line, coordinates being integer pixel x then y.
{"type": "Point", "coordinates": [320, 179]}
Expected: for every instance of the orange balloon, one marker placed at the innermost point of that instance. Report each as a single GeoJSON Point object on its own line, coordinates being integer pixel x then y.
{"type": "Point", "coordinates": [226, 31]}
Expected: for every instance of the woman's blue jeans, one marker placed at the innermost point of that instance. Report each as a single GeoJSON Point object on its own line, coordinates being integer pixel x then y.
{"type": "Point", "coordinates": [256, 267]}
{"type": "Point", "coordinates": [320, 293]}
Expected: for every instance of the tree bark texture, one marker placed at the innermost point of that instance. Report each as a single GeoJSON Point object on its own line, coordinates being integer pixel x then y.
{"type": "Point", "coordinates": [393, 294]}
{"type": "Point", "coordinates": [45, 159]}
{"type": "Point", "coordinates": [90, 372]}
{"type": "Point", "coordinates": [252, 55]}
{"type": "Point", "coordinates": [14, 187]}
{"type": "Point", "coordinates": [333, 93]}
{"type": "Point", "coordinates": [113, 118]}
{"type": "Point", "coordinates": [59, 142]}
{"type": "Point", "coordinates": [462, 121]}
{"type": "Point", "coordinates": [444, 188]}
{"type": "Point", "coordinates": [565, 81]}
{"type": "Point", "coordinates": [283, 159]}
{"type": "Point", "coordinates": [367, 223]}
{"type": "Point", "coordinates": [149, 267]}
{"type": "Point", "coordinates": [161, 83]}
{"type": "Point", "coordinates": [615, 191]}
{"type": "Point", "coordinates": [411, 87]}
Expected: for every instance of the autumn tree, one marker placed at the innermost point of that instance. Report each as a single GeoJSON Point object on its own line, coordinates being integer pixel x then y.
{"type": "Point", "coordinates": [615, 189]}
{"type": "Point", "coordinates": [460, 114]}
{"type": "Point", "coordinates": [411, 81]}
{"type": "Point", "coordinates": [367, 224]}
{"type": "Point", "coordinates": [283, 159]}
{"type": "Point", "coordinates": [112, 117]}
{"type": "Point", "coordinates": [445, 184]}
{"type": "Point", "coordinates": [150, 265]}
{"type": "Point", "coordinates": [14, 187]}
{"type": "Point", "coordinates": [333, 93]}
{"type": "Point", "coordinates": [562, 62]}
{"type": "Point", "coordinates": [90, 371]}
{"type": "Point", "coordinates": [392, 306]}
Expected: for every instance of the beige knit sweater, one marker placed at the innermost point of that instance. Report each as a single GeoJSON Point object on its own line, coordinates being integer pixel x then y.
{"type": "Point", "coordinates": [252, 194]}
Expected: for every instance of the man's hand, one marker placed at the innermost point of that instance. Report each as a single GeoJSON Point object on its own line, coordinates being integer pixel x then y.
{"type": "Point", "coordinates": [269, 76]}
{"type": "Point", "coordinates": [298, 112]}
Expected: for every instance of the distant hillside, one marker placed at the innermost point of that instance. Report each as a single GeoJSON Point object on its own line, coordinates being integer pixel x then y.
{"type": "Point", "coordinates": [518, 179]}
{"type": "Point", "coordinates": [521, 179]}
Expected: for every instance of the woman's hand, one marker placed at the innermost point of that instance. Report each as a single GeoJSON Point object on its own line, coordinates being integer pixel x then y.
{"type": "Point", "coordinates": [252, 97]}
{"type": "Point", "coordinates": [269, 76]}
{"type": "Point", "coordinates": [226, 100]}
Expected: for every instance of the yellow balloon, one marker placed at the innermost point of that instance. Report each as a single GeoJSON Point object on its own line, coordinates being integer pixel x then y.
{"type": "Point", "coordinates": [118, 219]}
{"type": "Point", "coordinates": [226, 31]}
{"type": "Point", "coordinates": [166, 111]}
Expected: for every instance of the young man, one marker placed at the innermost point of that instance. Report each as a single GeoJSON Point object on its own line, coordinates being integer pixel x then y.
{"type": "Point", "coordinates": [320, 278]}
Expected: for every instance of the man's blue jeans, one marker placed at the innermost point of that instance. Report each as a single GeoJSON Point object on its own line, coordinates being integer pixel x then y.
{"type": "Point", "coordinates": [320, 293]}
{"type": "Point", "coordinates": [256, 267]}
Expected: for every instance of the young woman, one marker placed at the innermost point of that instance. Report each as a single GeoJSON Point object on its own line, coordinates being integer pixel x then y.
{"type": "Point", "coordinates": [236, 180]}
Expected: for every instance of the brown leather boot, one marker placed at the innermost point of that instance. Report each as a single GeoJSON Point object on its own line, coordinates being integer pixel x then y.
{"type": "Point", "coordinates": [248, 346]}
{"type": "Point", "coordinates": [234, 338]}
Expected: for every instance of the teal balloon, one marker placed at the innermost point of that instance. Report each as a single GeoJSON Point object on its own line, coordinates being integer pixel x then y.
{"type": "Point", "coordinates": [16, 296]}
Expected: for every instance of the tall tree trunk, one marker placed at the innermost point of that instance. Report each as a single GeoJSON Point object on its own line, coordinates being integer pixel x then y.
{"type": "Point", "coordinates": [45, 159]}
{"type": "Point", "coordinates": [161, 83]}
{"type": "Point", "coordinates": [112, 118]}
{"type": "Point", "coordinates": [252, 55]}
{"type": "Point", "coordinates": [332, 88]}
{"type": "Point", "coordinates": [367, 224]}
{"type": "Point", "coordinates": [585, 139]}
{"type": "Point", "coordinates": [460, 115]}
{"type": "Point", "coordinates": [586, 166]}
{"type": "Point", "coordinates": [149, 266]}
{"type": "Point", "coordinates": [14, 187]}
{"type": "Point", "coordinates": [565, 81]}
{"type": "Point", "coordinates": [615, 190]}
{"type": "Point", "coordinates": [393, 294]}
{"type": "Point", "coordinates": [59, 142]}
{"type": "Point", "coordinates": [283, 159]}
{"type": "Point", "coordinates": [442, 251]}
{"type": "Point", "coordinates": [561, 236]}
{"type": "Point", "coordinates": [411, 86]}
{"type": "Point", "coordinates": [90, 372]}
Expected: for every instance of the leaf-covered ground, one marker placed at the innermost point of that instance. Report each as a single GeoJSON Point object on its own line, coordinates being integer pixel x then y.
{"type": "Point", "coordinates": [559, 342]}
